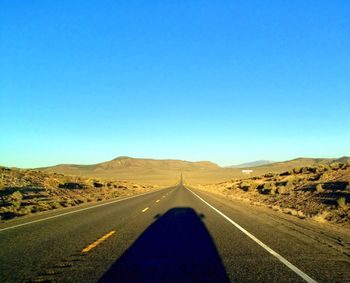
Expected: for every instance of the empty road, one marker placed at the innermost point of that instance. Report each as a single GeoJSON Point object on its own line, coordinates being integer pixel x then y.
{"type": "Point", "coordinates": [177, 234]}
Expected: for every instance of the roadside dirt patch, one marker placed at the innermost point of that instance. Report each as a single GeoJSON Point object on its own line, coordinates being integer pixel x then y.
{"type": "Point", "coordinates": [318, 192]}
{"type": "Point", "coordinates": [24, 192]}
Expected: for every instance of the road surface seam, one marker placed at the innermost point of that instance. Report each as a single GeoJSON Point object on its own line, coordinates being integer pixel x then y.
{"type": "Point", "coordinates": [303, 275]}
{"type": "Point", "coordinates": [71, 212]}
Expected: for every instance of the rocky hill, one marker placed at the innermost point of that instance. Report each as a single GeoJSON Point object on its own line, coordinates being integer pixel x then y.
{"type": "Point", "coordinates": [277, 167]}
{"type": "Point", "coordinates": [151, 171]}
{"type": "Point", "coordinates": [320, 192]}
{"type": "Point", "coordinates": [166, 172]}
{"type": "Point", "coordinates": [24, 192]}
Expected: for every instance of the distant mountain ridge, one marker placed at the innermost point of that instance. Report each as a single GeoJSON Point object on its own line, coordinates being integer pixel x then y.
{"type": "Point", "coordinates": [167, 171]}
{"type": "Point", "coordinates": [127, 167]}
{"type": "Point", "coordinates": [305, 161]}
{"type": "Point", "coordinates": [300, 161]}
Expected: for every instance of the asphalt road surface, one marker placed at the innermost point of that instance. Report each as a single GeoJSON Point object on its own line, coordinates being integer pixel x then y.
{"type": "Point", "coordinates": [176, 234]}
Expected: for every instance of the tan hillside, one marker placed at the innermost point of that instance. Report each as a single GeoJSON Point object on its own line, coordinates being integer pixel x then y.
{"type": "Point", "coordinates": [277, 167]}
{"type": "Point", "coordinates": [24, 192]}
{"type": "Point", "coordinates": [166, 172]}
{"type": "Point", "coordinates": [320, 192]}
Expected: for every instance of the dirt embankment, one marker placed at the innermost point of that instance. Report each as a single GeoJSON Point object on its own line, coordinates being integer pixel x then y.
{"type": "Point", "coordinates": [24, 192]}
{"type": "Point", "coordinates": [319, 192]}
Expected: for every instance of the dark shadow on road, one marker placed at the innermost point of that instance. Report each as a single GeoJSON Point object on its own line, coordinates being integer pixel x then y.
{"type": "Point", "coordinates": [177, 247]}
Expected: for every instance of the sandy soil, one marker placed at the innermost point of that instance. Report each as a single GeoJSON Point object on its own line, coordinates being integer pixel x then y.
{"type": "Point", "coordinates": [24, 192]}
{"type": "Point", "coordinates": [321, 192]}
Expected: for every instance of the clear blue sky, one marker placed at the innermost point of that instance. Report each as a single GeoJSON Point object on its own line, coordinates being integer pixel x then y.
{"type": "Point", "coordinates": [226, 81]}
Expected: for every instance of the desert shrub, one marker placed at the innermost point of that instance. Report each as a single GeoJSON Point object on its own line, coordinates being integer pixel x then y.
{"type": "Point", "coordinates": [256, 178]}
{"type": "Point", "coordinates": [24, 211]}
{"type": "Point", "coordinates": [64, 203]}
{"type": "Point", "coordinates": [341, 202]}
{"type": "Point", "coordinates": [290, 185]}
{"type": "Point", "coordinates": [71, 186]}
{"type": "Point", "coordinates": [319, 188]}
{"type": "Point", "coordinates": [335, 166]}
{"type": "Point", "coordinates": [269, 175]}
{"type": "Point", "coordinates": [71, 202]}
{"type": "Point", "coordinates": [337, 185]}
{"type": "Point", "coordinates": [268, 185]}
{"type": "Point", "coordinates": [50, 182]}
{"type": "Point", "coordinates": [286, 173]}
{"type": "Point", "coordinates": [41, 206]}
{"type": "Point", "coordinates": [322, 217]}
{"type": "Point", "coordinates": [80, 199]}
{"type": "Point", "coordinates": [54, 204]}
{"type": "Point", "coordinates": [322, 168]}
{"type": "Point", "coordinates": [34, 208]}
{"type": "Point", "coordinates": [282, 190]}
{"type": "Point", "coordinates": [312, 169]}
{"type": "Point", "coordinates": [315, 177]}
{"type": "Point", "coordinates": [245, 186]}
{"type": "Point", "coordinates": [98, 185]}
{"type": "Point", "coordinates": [297, 170]}
{"type": "Point", "coordinates": [15, 199]}
{"type": "Point", "coordinates": [254, 186]}
{"type": "Point", "coordinates": [266, 188]}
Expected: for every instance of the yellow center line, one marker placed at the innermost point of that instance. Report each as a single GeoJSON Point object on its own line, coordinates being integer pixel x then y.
{"type": "Point", "coordinates": [158, 200]}
{"type": "Point", "coordinates": [99, 241]}
{"type": "Point", "coordinates": [145, 209]}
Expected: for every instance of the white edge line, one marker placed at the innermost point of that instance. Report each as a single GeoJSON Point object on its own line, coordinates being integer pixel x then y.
{"type": "Point", "coordinates": [75, 211]}
{"type": "Point", "coordinates": [306, 277]}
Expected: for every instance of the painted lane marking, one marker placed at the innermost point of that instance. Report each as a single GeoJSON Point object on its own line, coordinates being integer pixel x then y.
{"type": "Point", "coordinates": [303, 275]}
{"type": "Point", "coordinates": [158, 200]}
{"type": "Point", "coordinates": [145, 209]}
{"type": "Point", "coordinates": [71, 212]}
{"type": "Point", "coordinates": [96, 243]}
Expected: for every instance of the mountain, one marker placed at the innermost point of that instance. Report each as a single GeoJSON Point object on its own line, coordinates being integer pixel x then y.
{"type": "Point", "coordinates": [297, 162]}
{"type": "Point", "coordinates": [167, 172]}
{"type": "Point", "coordinates": [251, 164]}
{"type": "Point", "coordinates": [125, 162]}
{"type": "Point", "coordinates": [141, 169]}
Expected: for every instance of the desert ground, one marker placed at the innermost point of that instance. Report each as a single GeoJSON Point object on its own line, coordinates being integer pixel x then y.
{"type": "Point", "coordinates": [319, 190]}
{"type": "Point", "coordinates": [89, 228]}
{"type": "Point", "coordinates": [25, 192]}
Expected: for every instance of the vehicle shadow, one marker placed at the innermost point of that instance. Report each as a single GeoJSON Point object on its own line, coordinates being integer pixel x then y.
{"type": "Point", "coordinates": [177, 247]}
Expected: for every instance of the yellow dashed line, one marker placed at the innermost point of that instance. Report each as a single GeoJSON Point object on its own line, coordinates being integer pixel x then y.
{"type": "Point", "coordinates": [158, 200]}
{"type": "Point", "coordinates": [145, 209]}
{"type": "Point", "coordinates": [99, 241]}
{"type": "Point", "coordinates": [163, 196]}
